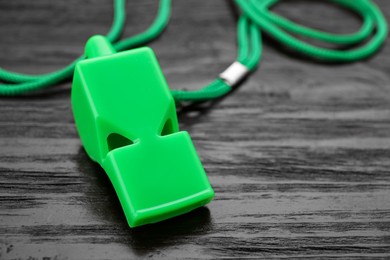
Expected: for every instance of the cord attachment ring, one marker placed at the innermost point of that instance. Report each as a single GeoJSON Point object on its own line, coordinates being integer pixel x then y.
{"type": "Point", "coordinates": [234, 73]}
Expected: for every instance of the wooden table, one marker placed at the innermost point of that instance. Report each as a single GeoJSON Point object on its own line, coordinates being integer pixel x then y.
{"type": "Point", "coordinates": [298, 155]}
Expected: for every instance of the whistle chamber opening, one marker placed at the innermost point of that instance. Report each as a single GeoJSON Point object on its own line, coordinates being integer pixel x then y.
{"type": "Point", "coordinates": [116, 141]}
{"type": "Point", "coordinates": [168, 128]}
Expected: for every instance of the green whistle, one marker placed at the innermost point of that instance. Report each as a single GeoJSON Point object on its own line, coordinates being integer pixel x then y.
{"type": "Point", "coordinates": [126, 118]}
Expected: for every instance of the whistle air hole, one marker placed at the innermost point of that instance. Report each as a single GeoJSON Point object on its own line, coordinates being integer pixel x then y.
{"type": "Point", "coordinates": [116, 141]}
{"type": "Point", "coordinates": [168, 128]}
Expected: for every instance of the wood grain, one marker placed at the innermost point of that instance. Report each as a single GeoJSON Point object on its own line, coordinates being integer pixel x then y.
{"type": "Point", "coordinates": [298, 155]}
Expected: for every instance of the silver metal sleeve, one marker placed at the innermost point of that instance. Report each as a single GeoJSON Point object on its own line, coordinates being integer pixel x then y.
{"type": "Point", "coordinates": [234, 73]}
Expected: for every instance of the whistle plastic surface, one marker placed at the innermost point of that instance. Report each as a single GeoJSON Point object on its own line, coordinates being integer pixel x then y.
{"type": "Point", "coordinates": [126, 118]}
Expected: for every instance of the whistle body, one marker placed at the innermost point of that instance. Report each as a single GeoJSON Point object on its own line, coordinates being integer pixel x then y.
{"type": "Point", "coordinates": [126, 119]}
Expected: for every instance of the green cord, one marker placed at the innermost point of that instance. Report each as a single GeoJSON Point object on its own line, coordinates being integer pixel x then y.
{"type": "Point", "coordinates": [255, 18]}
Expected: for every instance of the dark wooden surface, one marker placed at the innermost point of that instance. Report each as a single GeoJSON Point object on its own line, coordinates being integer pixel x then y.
{"type": "Point", "coordinates": [298, 155]}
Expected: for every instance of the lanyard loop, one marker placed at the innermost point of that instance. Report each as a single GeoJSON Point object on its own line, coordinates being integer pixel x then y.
{"type": "Point", "coordinates": [255, 19]}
